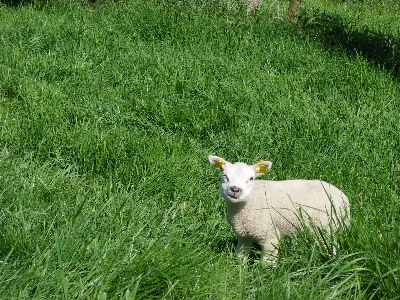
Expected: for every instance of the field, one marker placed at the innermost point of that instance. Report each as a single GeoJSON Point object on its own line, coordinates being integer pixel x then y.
{"type": "Point", "coordinates": [109, 110]}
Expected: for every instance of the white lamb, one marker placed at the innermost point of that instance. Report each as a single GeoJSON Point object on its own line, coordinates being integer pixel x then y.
{"type": "Point", "coordinates": [261, 211]}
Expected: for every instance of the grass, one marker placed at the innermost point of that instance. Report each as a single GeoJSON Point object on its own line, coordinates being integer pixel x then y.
{"type": "Point", "coordinates": [109, 110]}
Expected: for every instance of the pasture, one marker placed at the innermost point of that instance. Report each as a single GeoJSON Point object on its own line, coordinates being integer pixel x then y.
{"type": "Point", "coordinates": [108, 112]}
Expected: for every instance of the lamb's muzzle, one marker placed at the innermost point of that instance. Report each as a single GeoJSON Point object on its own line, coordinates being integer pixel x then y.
{"type": "Point", "coordinates": [235, 192]}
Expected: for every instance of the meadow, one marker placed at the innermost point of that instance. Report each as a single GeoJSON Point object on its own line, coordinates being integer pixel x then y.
{"type": "Point", "coordinates": [108, 112]}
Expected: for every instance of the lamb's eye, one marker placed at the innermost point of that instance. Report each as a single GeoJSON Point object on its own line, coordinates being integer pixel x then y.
{"type": "Point", "coordinates": [226, 179]}
{"type": "Point", "coordinates": [251, 178]}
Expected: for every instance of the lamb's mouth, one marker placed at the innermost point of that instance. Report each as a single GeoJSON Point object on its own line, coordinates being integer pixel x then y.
{"type": "Point", "coordinates": [234, 195]}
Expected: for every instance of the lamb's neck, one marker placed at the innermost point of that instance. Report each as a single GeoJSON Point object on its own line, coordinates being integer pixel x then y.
{"type": "Point", "coordinates": [235, 208]}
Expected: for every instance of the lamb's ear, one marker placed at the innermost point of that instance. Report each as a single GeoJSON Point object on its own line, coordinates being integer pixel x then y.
{"type": "Point", "coordinates": [217, 162]}
{"type": "Point", "coordinates": [262, 167]}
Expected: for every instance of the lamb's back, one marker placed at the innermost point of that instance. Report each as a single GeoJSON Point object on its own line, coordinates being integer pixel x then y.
{"type": "Point", "coordinates": [281, 201]}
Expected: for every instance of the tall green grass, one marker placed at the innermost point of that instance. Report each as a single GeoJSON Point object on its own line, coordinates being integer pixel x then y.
{"type": "Point", "coordinates": [108, 112]}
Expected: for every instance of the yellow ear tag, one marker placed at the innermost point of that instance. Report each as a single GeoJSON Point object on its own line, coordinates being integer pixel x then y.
{"type": "Point", "coordinates": [219, 165]}
{"type": "Point", "coordinates": [262, 169]}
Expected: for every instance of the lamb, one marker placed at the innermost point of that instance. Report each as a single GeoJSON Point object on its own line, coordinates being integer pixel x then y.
{"type": "Point", "coordinates": [262, 211]}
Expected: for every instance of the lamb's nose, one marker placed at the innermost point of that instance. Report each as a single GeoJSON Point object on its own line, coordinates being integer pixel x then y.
{"type": "Point", "coordinates": [235, 189]}
{"type": "Point", "coordinates": [235, 192]}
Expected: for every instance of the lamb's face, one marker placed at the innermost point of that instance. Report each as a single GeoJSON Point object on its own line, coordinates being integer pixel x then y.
{"type": "Point", "coordinates": [237, 182]}
{"type": "Point", "coordinates": [238, 178]}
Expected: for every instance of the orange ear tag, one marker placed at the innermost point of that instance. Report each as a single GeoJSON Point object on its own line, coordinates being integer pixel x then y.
{"type": "Point", "coordinates": [262, 169]}
{"type": "Point", "coordinates": [219, 165]}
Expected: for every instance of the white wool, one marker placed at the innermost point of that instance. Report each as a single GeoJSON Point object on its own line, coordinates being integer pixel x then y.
{"type": "Point", "coordinates": [261, 210]}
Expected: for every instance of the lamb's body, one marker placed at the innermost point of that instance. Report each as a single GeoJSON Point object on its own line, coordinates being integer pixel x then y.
{"type": "Point", "coordinates": [261, 211]}
{"type": "Point", "coordinates": [274, 207]}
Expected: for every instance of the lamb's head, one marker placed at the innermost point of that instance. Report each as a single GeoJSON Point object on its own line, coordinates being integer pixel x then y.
{"type": "Point", "coordinates": [237, 179]}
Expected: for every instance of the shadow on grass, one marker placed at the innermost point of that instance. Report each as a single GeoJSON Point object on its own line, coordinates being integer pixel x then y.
{"type": "Point", "coordinates": [379, 48]}
{"type": "Point", "coordinates": [40, 3]}
{"type": "Point", "coordinates": [14, 3]}
{"type": "Point", "coordinates": [220, 245]}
